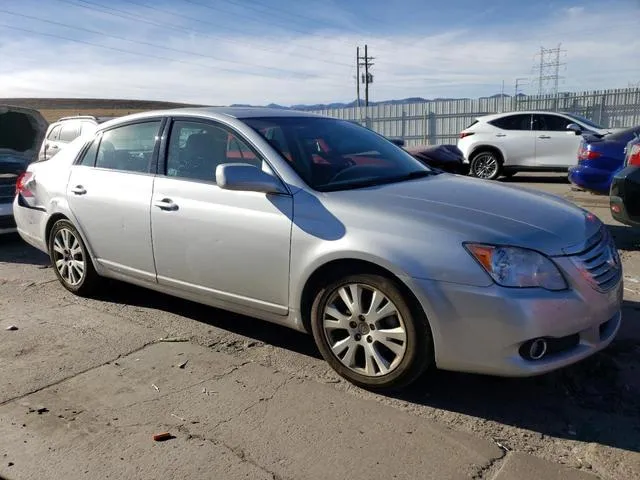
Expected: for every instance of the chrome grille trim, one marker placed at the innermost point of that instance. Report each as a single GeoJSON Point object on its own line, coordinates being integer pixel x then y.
{"type": "Point", "coordinates": [599, 261]}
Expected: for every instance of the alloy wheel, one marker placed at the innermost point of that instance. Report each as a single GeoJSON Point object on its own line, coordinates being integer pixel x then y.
{"type": "Point", "coordinates": [68, 257]}
{"type": "Point", "coordinates": [485, 165]}
{"type": "Point", "coordinates": [365, 330]}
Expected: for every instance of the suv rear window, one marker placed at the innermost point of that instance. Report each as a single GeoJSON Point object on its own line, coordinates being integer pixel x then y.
{"type": "Point", "coordinates": [70, 131]}
{"type": "Point", "coordinates": [471, 124]}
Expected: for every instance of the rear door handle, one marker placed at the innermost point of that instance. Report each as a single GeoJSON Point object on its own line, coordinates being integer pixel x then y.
{"type": "Point", "coordinates": [79, 190]}
{"type": "Point", "coordinates": [166, 204]}
{"type": "Point", "coordinates": [501, 134]}
{"type": "Point", "coordinates": [544, 136]}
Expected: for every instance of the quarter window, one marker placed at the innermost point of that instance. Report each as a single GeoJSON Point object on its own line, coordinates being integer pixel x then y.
{"type": "Point", "coordinates": [196, 149]}
{"type": "Point", "coordinates": [513, 122]}
{"type": "Point", "coordinates": [89, 157]}
{"type": "Point", "coordinates": [129, 148]}
{"type": "Point", "coordinates": [54, 133]}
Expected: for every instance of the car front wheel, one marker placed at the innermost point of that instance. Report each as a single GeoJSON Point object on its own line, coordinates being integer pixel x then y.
{"type": "Point", "coordinates": [369, 333]}
{"type": "Point", "coordinates": [70, 259]}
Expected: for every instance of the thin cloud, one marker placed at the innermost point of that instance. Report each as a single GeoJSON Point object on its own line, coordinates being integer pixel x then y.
{"type": "Point", "coordinates": [287, 67]}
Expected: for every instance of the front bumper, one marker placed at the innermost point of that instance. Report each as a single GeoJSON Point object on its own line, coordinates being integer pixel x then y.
{"type": "Point", "coordinates": [481, 329]}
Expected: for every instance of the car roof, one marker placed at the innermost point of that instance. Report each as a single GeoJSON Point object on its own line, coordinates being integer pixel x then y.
{"type": "Point", "coordinates": [214, 113]}
{"type": "Point", "coordinates": [493, 116]}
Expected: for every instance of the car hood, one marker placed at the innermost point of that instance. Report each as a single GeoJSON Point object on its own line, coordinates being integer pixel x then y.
{"type": "Point", "coordinates": [466, 209]}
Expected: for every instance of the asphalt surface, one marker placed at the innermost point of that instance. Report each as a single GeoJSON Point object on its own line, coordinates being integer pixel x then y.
{"type": "Point", "coordinates": [86, 383]}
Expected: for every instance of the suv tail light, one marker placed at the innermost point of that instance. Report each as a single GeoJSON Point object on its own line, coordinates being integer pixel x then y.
{"type": "Point", "coordinates": [465, 134]}
{"type": "Point", "coordinates": [633, 157]}
{"type": "Point", "coordinates": [585, 153]}
{"type": "Point", "coordinates": [21, 184]}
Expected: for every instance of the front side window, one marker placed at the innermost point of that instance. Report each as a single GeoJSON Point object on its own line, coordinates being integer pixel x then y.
{"type": "Point", "coordinates": [129, 148]}
{"type": "Point", "coordinates": [550, 123]}
{"type": "Point", "coordinates": [196, 149]}
{"type": "Point", "coordinates": [513, 122]}
{"type": "Point", "coordinates": [331, 154]}
{"type": "Point", "coordinates": [585, 121]}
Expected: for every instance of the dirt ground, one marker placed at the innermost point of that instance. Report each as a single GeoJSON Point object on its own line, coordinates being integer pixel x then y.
{"type": "Point", "coordinates": [84, 383]}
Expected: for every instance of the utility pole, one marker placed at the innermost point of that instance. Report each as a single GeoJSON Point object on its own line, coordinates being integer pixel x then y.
{"type": "Point", "coordinates": [367, 77]}
{"type": "Point", "coordinates": [519, 81]}
{"type": "Point", "coordinates": [358, 75]}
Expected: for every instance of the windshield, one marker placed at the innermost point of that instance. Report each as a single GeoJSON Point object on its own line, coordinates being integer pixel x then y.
{"type": "Point", "coordinates": [331, 154]}
{"type": "Point", "coordinates": [585, 121]}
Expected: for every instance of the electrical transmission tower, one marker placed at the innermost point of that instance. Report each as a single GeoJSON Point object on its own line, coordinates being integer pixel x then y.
{"type": "Point", "coordinates": [548, 70]}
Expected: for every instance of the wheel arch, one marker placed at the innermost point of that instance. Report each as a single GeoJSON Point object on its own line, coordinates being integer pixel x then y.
{"type": "Point", "coordinates": [486, 147]}
{"type": "Point", "coordinates": [61, 216]}
{"type": "Point", "coordinates": [332, 269]}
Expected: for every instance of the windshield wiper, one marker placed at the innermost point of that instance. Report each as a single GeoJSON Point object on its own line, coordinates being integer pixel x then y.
{"type": "Point", "coordinates": [372, 182]}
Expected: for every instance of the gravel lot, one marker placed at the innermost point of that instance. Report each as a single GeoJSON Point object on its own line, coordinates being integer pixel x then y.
{"type": "Point", "coordinates": [256, 400]}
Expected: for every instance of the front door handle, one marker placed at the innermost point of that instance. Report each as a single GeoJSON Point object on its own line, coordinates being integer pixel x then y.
{"type": "Point", "coordinates": [544, 136]}
{"type": "Point", "coordinates": [501, 134]}
{"type": "Point", "coordinates": [79, 190]}
{"type": "Point", "coordinates": [166, 204]}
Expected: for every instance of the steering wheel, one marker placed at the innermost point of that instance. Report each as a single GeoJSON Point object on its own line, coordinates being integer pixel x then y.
{"type": "Point", "coordinates": [358, 170]}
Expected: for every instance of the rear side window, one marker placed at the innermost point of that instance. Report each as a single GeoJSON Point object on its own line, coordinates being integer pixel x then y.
{"type": "Point", "coordinates": [513, 122]}
{"type": "Point", "coordinates": [70, 131]}
{"type": "Point", "coordinates": [129, 147]}
{"type": "Point", "coordinates": [54, 134]}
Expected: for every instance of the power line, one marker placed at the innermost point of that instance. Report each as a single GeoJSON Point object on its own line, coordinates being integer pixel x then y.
{"type": "Point", "coordinates": [142, 42]}
{"type": "Point", "coordinates": [206, 22]}
{"type": "Point", "coordinates": [121, 50]}
{"type": "Point", "coordinates": [261, 20]}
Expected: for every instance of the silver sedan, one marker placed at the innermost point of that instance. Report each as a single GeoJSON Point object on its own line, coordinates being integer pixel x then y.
{"type": "Point", "coordinates": [326, 227]}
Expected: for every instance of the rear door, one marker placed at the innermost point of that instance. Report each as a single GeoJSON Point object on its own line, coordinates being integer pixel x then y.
{"type": "Point", "coordinates": [513, 135]}
{"type": "Point", "coordinates": [556, 147]}
{"type": "Point", "coordinates": [109, 192]}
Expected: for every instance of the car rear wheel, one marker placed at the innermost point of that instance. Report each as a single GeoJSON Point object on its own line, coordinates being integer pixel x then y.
{"type": "Point", "coordinates": [485, 164]}
{"type": "Point", "coordinates": [370, 333]}
{"type": "Point", "coordinates": [70, 259]}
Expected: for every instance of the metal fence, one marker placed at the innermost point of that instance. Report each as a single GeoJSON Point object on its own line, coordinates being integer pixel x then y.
{"type": "Point", "coordinates": [440, 121]}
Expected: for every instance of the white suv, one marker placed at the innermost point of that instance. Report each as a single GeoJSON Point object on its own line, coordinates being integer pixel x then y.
{"type": "Point", "coordinates": [505, 143]}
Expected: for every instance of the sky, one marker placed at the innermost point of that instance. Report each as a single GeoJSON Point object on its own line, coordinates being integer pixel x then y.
{"type": "Point", "coordinates": [221, 52]}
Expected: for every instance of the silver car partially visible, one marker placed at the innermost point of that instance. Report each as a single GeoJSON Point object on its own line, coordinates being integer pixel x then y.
{"type": "Point", "coordinates": [326, 227]}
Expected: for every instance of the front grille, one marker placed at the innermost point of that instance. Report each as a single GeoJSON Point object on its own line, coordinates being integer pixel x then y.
{"type": "Point", "coordinates": [599, 261]}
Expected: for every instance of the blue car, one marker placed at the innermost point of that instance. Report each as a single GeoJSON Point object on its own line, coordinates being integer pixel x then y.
{"type": "Point", "coordinates": [600, 158]}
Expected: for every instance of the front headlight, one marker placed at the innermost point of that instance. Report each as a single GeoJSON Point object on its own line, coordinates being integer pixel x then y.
{"type": "Point", "coordinates": [517, 267]}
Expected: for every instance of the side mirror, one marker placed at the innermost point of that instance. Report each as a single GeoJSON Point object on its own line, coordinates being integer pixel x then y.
{"type": "Point", "coordinates": [577, 129]}
{"type": "Point", "coordinates": [248, 178]}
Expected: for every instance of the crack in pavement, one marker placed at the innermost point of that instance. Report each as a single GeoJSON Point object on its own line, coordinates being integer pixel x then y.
{"type": "Point", "coordinates": [491, 466]}
{"type": "Point", "coordinates": [237, 451]}
{"type": "Point", "coordinates": [62, 380]}
{"type": "Point", "coordinates": [186, 387]}
{"type": "Point", "coordinates": [252, 405]}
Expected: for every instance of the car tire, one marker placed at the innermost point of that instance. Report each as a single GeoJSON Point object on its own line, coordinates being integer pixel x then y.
{"type": "Point", "coordinates": [399, 342]}
{"type": "Point", "coordinates": [70, 259]}
{"type": "Point", "coordinates": [485, 164]}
